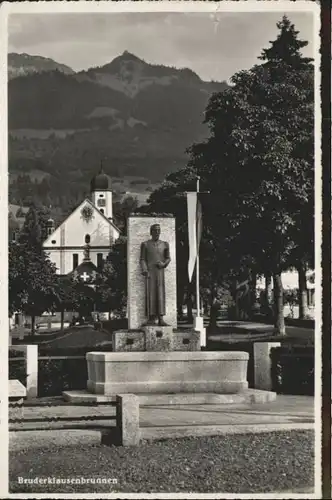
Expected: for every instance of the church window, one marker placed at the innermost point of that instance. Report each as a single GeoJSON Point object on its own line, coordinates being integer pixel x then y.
{"type": "Point", "coordinates": [49, 231]}
{"type": "Point", "coordinates": [75, 260]}
{"type": "Point", "coordinates": [99, 261]}
{"type": "Point", "coordinates": [53, 242]}
{"type": "Point", "coordinates": [101, 210]}
{"type": "Point", "coordinates": [87, 238]}
{"type": "Point", "coordinates": [101, 203]}
{"type": "Point", "coordinates": [101, 196]}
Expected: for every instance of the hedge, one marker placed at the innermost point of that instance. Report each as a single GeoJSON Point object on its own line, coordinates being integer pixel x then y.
{"type": "Point", "coordinates": [57, 375]}
{"type": "Point", "coordinates": [16, 367]}
{"type": "Point", "coordinates": [17, 370]}
{"type": "Point", "coordinates": [72, 351]}
{"type": "Point", "coordinates": [293, 370]}
{"type": "Point", "coordinates": [292, 366]}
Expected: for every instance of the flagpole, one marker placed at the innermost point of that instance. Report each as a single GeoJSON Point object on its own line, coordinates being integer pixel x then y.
{"type": "Point", "coordinates": [197, 265]}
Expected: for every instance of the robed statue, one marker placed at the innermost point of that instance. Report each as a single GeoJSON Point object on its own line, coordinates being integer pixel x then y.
{"type": "Point", "coordinates": [154, 258]}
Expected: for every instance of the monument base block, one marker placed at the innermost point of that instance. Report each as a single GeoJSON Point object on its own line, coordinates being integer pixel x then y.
{"type": "Point", "coordinates": [167, 372]}
{"type": "Point", "coordinates": [156, 338]}
{"type": "Point", "coordinates": [128, 341]}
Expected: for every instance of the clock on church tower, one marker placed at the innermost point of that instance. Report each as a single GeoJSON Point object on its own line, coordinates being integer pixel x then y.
{"type": "Point", "coordinates": [92, 219]}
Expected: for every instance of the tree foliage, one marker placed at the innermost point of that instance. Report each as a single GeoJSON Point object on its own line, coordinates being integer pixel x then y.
{"type": "Point", "coordinates": [33, 283]}
{"type": "Point", "coordinates": [111, 287]}
{"type": "Point", "coordinates": [258, 165]}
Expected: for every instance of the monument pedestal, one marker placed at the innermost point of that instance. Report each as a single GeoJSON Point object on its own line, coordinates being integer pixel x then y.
{"type": "Point", "coordinates": [155, 338]}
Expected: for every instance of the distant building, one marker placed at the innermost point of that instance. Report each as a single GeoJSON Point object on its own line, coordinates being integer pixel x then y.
{"type": "Point", "coordinates": [16, 218]}
{"type": "Point", "coordinates": [81, 242]}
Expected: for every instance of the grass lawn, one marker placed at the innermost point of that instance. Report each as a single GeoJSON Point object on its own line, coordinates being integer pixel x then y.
{"type": "Point", "coordinates": [248, 463]}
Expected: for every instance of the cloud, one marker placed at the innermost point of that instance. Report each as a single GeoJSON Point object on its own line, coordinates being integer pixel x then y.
{"type": "Point", "coordinates": [213, 45]}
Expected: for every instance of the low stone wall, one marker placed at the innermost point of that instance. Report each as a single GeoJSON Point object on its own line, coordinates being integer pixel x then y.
{"type": "Point", "coordinates": [167, 372]}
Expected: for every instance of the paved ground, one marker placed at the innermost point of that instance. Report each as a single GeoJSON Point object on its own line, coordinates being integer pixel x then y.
{"type": "Point", "coordinates": [287, 412]}
{"type": "Point", "coordinates": [247, 330]}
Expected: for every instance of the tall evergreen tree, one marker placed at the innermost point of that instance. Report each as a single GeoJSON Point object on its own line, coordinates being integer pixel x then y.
{"type": "Point", "coordinates": [258, 161]}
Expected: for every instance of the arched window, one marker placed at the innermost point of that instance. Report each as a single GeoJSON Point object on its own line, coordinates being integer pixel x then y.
{"type": "Point", "coordinates": [87, 239]}
{"type": "Point", "coordinates": [75, 260]}
{"type": "Point", "coordinates": [101, 210]}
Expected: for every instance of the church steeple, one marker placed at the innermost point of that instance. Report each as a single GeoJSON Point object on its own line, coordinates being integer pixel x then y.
{"type": "Point", "coordinates": [101, 191]}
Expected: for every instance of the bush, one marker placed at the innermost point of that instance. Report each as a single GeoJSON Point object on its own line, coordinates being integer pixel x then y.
{"type": "Point", "coordinates": [291, 297]}
{"type": "Point", "coordinates": [17, 371]}
{"type": "Point", "coordinates": [57, 375]}
{"type": "Point", "coordinates": [16, 367]}
{"type": "Point", "coordinates": [72, 351]}
{"type": "Point", "coordinates": [293, 370]}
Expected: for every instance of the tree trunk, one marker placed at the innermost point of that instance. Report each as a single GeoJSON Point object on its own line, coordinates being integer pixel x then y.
{"type": "Point", "coordinates": [33, 324]}
{"type": "Point", "coordinates": [62, 319]}
{"type": "Point", "coordinates": [268, 296]}
{"type": "Point", "coordinates": [303, 292]}
{"type": "Point", "coordinates": [253, 287]}
{"type": "Point", "coordinates": [214, 309]}
{"type": "Point", "coordinates": [279, 320]}
{"type": "Point", "coordinates": [268, 288]}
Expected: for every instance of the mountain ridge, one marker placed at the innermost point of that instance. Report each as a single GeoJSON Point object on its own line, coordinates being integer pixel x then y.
{"type": "Point", "coordinates": [22, 64]}
{"type": "Point", "coordinates": [140, 118]}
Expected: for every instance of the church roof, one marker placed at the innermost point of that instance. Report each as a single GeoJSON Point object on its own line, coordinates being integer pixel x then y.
{"type": "Point", "coordinates": [81, 204]}
{"type": "Point", "coordinates": [101, 182]}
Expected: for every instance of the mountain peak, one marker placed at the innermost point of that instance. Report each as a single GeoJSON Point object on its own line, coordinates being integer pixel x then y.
{"type": "Point", "coordinates": [130, 56]}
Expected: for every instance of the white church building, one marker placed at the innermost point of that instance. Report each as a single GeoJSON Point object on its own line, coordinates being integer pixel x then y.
{"type": "Point", "coordinates": [89, 225]}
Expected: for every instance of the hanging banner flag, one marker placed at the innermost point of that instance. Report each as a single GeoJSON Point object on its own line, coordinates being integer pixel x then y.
{"type": "Point", "coordinates": [199, 223]}
{"type": "Point", "coordinates": [192, 232]}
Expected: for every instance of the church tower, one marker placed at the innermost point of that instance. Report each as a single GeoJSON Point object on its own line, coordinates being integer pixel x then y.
{"type": "Point", "coordinates": [102, 193]}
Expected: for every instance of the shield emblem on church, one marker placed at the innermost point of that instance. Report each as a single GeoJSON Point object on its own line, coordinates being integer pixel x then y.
{"type": "Point", "coordinates": [85, 273]}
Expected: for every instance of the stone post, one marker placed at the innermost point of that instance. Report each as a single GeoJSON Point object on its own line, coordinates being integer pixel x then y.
{"type": "Point", "coordinates": [127, 419]}
{"type": "Point", "coordinates": [263, 364]}
{"type": "Point", "coordinates": [30, 353]}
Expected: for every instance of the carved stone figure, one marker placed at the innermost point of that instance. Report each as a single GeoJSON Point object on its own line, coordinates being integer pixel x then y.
{"type": "Point", "coordinates": [154, 258]}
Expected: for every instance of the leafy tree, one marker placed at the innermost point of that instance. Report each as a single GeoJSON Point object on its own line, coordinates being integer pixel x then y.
{"type": "Point", "coordinates": [75, 296]}
{"type": "Point", "coordinates": [291, 299]}
{"type": "Point", "coordinates": [258, 160]}
{"type": "Point", "coordinates": [33, 284]}
{"type": "Point", "coordinates": [111, 288]}
{"type": "Point", "coordinates": [122, 209]}
{"type": "Point", "coordinates": [13, 226]}
{"type": "Point", "coordinates": [218, 268]}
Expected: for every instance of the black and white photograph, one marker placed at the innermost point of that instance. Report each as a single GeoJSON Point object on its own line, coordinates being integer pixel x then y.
{"type": "Point", "coordinates": [161, 172]}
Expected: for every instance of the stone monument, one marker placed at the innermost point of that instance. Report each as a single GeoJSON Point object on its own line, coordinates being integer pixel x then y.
{"type": "Point", "coordinates": [153, 358]}
{"type": "Point", "coordinates": [153, 355]}
{"type": "Point", "coordinates": [152, 314]}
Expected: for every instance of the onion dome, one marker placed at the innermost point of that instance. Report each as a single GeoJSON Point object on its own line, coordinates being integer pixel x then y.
{"type": "Point", "coordinates": [101, 182]}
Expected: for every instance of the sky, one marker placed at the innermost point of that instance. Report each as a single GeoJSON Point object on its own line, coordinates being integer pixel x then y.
{"type": "Point", "coordinates": [215, 46]}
